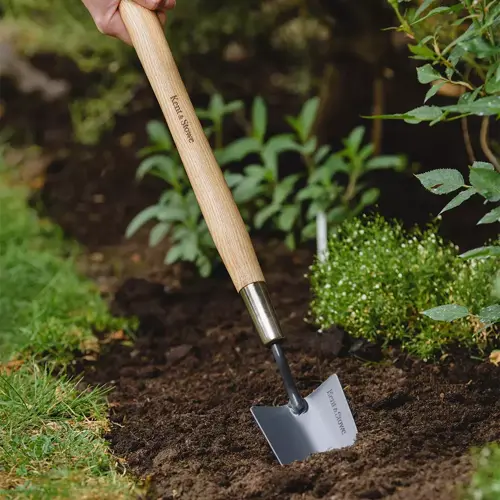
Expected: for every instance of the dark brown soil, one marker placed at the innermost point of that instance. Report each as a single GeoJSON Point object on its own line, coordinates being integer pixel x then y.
{"type": "Point", "coordinates": [181, 403]}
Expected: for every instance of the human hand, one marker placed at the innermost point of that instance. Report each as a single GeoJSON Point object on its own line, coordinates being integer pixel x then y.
{"type": "Point", "coordinates": [108, 20]}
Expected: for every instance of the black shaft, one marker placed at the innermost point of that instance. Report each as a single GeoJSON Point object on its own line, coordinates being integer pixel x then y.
{"type": "Point", "coordinates": [297, 402]}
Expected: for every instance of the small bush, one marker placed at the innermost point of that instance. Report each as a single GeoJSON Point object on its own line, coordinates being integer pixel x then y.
{"type": "Point", "coordinates": [378, 279]}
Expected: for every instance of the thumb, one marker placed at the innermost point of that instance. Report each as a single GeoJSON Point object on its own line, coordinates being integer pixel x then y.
{"type": "Point", "coordinates": [157, 5]}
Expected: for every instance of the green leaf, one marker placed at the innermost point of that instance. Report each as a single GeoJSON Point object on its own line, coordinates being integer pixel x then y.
{"type": "Point", "coordinates": [233, 106]}
{"type": "Point", "coordinates": [190, 247]}
{"type": "Point", "coordinates": [255, 171]}
{"type": "Point", "coordinates": [247, 189]}
{"type": "Point", "coordinates": [480, 47]}
{"type": "Point", "coordinates": [309, 231]}
{"type": "Point", "coordinates": [322, 153]}
{"type": "Point", "coordinates": [158, 233]}
{"type": "Point", "coordinates": [480, 252]}
{"type": "Point", "coordinates": [263, 215]}
{"type": "Point", "coordinates": [369, 197]}
{"type": "Point", "coordinates": [307, 117]}
{"type": "Point", "coordinates": [486, 181]}
{"type": "Point", "coordinates": [433, 12]}
{"type": "Point", "coordinates": [422, 52]}
{"type": "Point", "coordinates": [366, 152]}
{"type": "Point", "coordinates": [423, 7]}
{"type": "Point", "coordinates": [275, 146]}
{"type": "Point", "coordinates": [382, 162]}
{"type": "Point", "coordinates": [216, 107]}
{"type": "Point", "coordinates": [417, 115]}
{"type": "Point", "coordinates": [433, 90]}
{"type": "Point", "coordinates": [174, 254]}
{"type": "Point", "coordinates": [334, 163]}
{"type": "Point", "coordinates": [204, 266]}
{"type": "Point", "coordinates": [490, 314]}
{"type": "Point", "coordinates": [491, 217]}
{"type": "Point", "coordinates": [232, 179]}
{"type": "Point", "coordinates": [353, 141]}
{"type": "Point", "coordinates": [337, 215]}
{"type": "Point", "coordinates": [238, 150]}
{"type": "Point", "coordinates": [459, 199]}
{"type": "Point", "coordinates": [160, 166]}
{"type": "Point", "coordinates": [290, 241]}
{"type": "Point", "coordinates": [423, 113]}
{"type": "Point", "coordinates": [427, 74]}
{"type": "Point", "coordinates": [159, 134]}
{"type": "Point", "coordinates": [448, 312]}
{"type": "Point", "coordinates": [287, 217]}
{"type": "Point", "coordinates": [311, 192]}
{"type": "Point", "coordinates": [310, 146]}
{"type": "Point", "coordinates": [486, 106]}
{"type": "Point", "coordinates": [284, 188]}
{"type": "Point", "coordinates": [259, 118]}
{"type": "Point", "coordinates": [141, 218]}
{"type": "Point", "coordinates": [492, 84]}
{"type": "Point", "coordinates": [442, 180]}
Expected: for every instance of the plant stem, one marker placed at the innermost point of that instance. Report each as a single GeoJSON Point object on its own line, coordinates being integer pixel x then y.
{"type": "Point", "coordinates": [467, 141]}
{"type": "Point", "coordinates": [218, 134]}
{"type": "Point", "coordinates": [485, 124]}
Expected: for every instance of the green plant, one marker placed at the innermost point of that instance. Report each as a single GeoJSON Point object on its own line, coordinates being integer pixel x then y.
{"type": "Point", "coordinates": [293, 203]}
{"type": "Point", "coordinates": [378, 278]}
{"type": "Point", "coordinates": [485, 182]}
{"type": "Point", "coordinates": [461, 43]}
{"type": "Point", "coordinates": [177, 212]}
{"type": "Point", "coordinates": [485, 483]}
{"type": "Point", "coordinates": [298, 205]}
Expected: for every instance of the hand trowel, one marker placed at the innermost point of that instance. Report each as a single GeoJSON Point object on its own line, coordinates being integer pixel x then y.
{"type": "Point", "coordinates": [321, 421]}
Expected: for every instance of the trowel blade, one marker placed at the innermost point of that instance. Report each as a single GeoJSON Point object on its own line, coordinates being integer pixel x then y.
{"type": "Point", "coordinates": [327, 424]}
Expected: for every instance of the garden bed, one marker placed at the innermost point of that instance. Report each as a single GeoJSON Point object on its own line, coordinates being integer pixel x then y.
{"type": "Point", "coordinates": [181, 406]}
{"type": "Point", "coordinates": [183, 389]}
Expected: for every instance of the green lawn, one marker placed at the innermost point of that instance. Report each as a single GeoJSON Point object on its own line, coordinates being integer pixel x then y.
{"type": "Point", "coordinates": [51, 443]}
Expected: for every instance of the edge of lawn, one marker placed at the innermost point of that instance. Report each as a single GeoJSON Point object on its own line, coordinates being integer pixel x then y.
{"type": "Point", "coordinates": [52, 426]}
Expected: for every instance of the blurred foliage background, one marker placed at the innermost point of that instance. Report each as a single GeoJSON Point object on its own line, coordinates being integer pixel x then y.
{"type": "Point", "coordinates": [285, 50]}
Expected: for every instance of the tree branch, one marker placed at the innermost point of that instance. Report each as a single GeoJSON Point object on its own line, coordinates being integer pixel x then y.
{"type": "Point", "coordinates": [485, 124]}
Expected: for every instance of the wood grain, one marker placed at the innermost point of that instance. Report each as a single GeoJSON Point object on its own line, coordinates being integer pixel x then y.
{"type": "Point", "coordinates": [214, 197]}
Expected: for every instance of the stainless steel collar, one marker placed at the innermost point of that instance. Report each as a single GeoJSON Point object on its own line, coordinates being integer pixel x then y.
{"type": "Point", "coordinates": [258, 302]}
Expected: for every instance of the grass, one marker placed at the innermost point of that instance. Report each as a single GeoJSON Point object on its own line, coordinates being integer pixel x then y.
{"type": "Point", "coordinates": [49, 309]}
{"type": "Point", "coordinates": [51, 428]}
{"type": "Point", "coordinates": [485, 484]}
{"type": "Point", "coordinates": [379, 278]}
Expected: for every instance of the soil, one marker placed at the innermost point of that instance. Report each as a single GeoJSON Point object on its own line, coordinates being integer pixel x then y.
{"type": "Point", "coordinates": [182, 396]}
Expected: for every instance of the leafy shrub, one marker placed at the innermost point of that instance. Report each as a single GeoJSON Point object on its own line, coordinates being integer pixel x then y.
{"type": "Point", "coordinates": [329, 184]}
{"type": "Point", "coordinates": [378, 278]}
{"type": "Point", "coordinates": [461, 42]}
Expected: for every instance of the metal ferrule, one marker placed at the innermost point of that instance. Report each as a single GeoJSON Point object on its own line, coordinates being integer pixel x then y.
{"type": "Point", "coordinates": [258, 302]}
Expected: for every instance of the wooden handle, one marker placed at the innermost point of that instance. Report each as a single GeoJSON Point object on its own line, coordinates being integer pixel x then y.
{"type": "Point", "coordinates": [214, 196]}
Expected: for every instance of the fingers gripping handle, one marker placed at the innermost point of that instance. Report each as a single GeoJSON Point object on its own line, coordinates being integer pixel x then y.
{"type": "Point", "coordinates": [214, 197]}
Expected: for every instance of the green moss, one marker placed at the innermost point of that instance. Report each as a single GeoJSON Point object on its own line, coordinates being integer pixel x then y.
{"type": "Point", "coordinates": [379, 278]}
